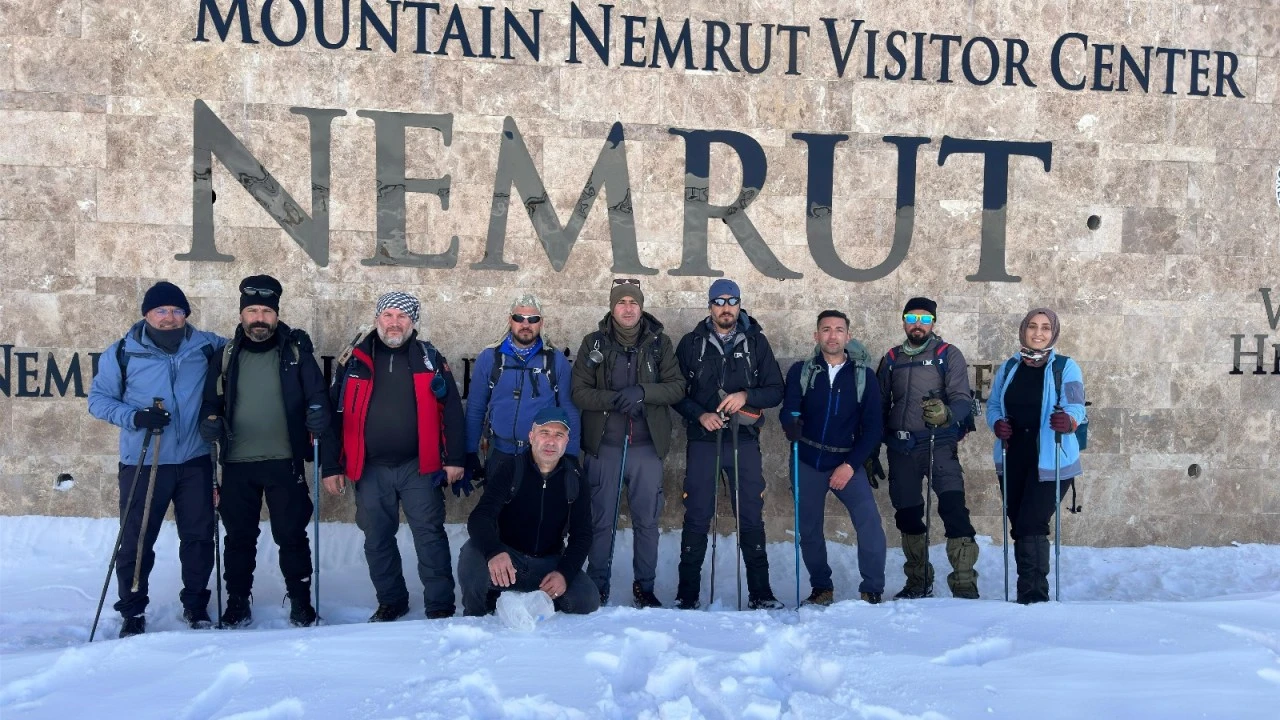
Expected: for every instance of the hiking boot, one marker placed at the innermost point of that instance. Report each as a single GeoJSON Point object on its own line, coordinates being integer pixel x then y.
{"type": "Point", "coordinates": [491, 601]}
{"type": "Point", "coordinates": [765, 602]}
{"type": "Point", "coordinates": [132, 625]}
{"type": "Point", "coordinates": [688, 604]}
{"type": "Point", "coordinates": [604, 598]}
{"type": "Point", "coordinates": [963, 580]}
{"type": "Point", "coordinates": [644, 598]}
{"type": "Point", "coordinates": [440, 614]}
{"type": "Point", "coordinates": [237, 614]}
{"type": "Point", "coordinates": [917, 569]}
{"type": "Point", "coordinates": [755, 561]}
{"type": "Point", "coordinates": [301, 614]}
{"type": "Point", "coordinates": [821, 597]}
{"type": "Point", "coordinates": [872, 598]}
{"type": "Point", "coordinates": [197, 618]}
{"type": "Point", "coordinates": [389, 613]}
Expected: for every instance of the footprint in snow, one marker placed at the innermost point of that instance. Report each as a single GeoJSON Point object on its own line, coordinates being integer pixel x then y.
{"type": "Point", "coordinates": [979, 652]}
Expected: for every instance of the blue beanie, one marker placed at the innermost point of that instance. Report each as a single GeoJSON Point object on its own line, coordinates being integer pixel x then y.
{"type": "Point", "coordinates": [723, 286]}
{"type": "Point", "coordinates": [164, 294]}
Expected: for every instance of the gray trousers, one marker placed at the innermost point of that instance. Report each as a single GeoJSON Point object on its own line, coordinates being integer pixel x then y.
{"type": "Point", "coordinates": [380, 494]}
{"type": "Point", "coordinates": [644, 497]}
{"type": "Point", "coordinates": [478, 591]}
{"type": "Point", "coordinates": [861, 504]}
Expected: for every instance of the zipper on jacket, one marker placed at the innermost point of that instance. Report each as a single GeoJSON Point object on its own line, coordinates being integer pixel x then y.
{"type": "Point", "coordinates": [542, 504]}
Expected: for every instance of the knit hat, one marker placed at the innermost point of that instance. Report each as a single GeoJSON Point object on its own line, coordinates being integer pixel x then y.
{"type": "Point", "coordinates": [164, 294]}
{"type": "Point", "coordinates": [260, 290]}
{"type": "Point", "coordinates": [723, 286]}
{"type": "Point", "coordinates": [626, 289]}
{"type": "Point", "coordinates": [401, 301]}
{"type": "Point", "coordinates": [921, 303]}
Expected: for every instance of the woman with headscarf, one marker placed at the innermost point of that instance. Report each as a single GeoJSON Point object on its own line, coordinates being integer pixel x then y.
{"type": "Point", "coordinates": [1029, 410]}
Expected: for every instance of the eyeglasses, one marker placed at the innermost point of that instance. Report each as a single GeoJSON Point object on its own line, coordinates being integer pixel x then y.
{"type": "Point", "coordinates": [627, 281]}
{"type": "Point", "coordinates": [913, 318]}
{"type": "Point", "coordinates": [259, 292]}
{"type": "Point", "coordinates": [166, 312]}
{"type": "Point", "coordinates": [531, 319]}
{"type": "Point", "coordinates": [730, 301]}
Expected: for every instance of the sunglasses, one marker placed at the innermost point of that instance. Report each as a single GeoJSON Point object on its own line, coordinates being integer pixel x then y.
{"type": "Point", "coordinates": [531, 319]}
{"type": "Point", "coordinates": [730, 301]}
{"type": "Point", "coordinates": [913, 318]}
{"type": "Point", "coordinates": [259, 292]}
{"type": "Point", "coordinates": [627, 281]}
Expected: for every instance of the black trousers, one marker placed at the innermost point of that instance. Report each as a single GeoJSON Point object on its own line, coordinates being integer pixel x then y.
{"type": "Point", "coordinates": [1031, 501]}
{"type": "Point", "coordinates": [700, 483]}
{"type": "Point", "coordinates": [189, 487]}
{"type": "Point", "coordinates": [244, 484]}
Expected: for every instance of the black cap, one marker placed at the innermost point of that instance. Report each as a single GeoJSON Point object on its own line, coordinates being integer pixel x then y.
{"type": "Point", "coordinates": [164, 294]}
{"type": "Point", "coordinates": [921, 303]}
{"type": "Point", "coordinates": [260, 290]}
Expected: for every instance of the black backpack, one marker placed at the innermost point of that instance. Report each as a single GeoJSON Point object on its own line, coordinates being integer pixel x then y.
{"type": "Point", "coordinates": [548, 367]}
{"type": "Point", "coordinates": [940, 361]}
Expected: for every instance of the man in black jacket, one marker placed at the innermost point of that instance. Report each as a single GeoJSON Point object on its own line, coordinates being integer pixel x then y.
{"type": "Point", "coordinates": [264, 398]}
{"type": "Point", "coordinates": [518, 528]}
{"type": "Point", "coordinates": [731, 377]}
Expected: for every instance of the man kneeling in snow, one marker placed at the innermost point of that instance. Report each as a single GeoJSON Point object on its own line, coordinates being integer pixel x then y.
{"type": "Point", "coordinates": [517, 530]}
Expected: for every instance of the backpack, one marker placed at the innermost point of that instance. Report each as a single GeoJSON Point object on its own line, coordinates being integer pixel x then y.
{"type": "Point", "coordinates": [548, 367]}
{"type": "Point", "coordinates": [857, 354]}
{"type": "Point", "coordinates": [655, 352]}
{"type": "Point", "coordinates": [122, 359]}
{"type": "Point", "coordinates": [572, 479]}
{"type": "Point", "coordinates": [229, 349]}
{"type": "Point", "coordinates": [940, 362]}
{"type": "Point", "coordinates": [752, 371]}
{"type": "Point", "coordinates": [1059, 364]}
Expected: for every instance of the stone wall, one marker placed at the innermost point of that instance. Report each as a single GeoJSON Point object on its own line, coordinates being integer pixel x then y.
{"type": "Point", "coordinates": [1152, 232]}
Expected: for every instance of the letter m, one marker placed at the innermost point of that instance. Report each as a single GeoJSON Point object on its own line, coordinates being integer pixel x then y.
{"type": "Point", "coordinates": [222, 23]}
{"type": "Point", "coordinates": [213, 138]}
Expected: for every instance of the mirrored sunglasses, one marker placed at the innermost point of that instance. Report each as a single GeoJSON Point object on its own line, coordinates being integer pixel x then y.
{"type": "Point", "coordinates": [913, 318]}
{"type": "Point", "coordinates": [531, 319]}
{"type": "Point", "coordinates": [721, 302]}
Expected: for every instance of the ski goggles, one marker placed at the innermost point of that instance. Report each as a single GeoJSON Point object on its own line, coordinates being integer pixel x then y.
{"type": "Point", "coordinates": [531, 319]}
{"type": "Point", "coordinates": [913, 318]}
{"type": "Point", "coordinates": [730, 301]}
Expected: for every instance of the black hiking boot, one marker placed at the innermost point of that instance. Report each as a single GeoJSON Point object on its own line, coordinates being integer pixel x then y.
{"type": "Point", "coordinates": [238, 614]}
{"type": "Point", "coordinates": [644, 598]}
{"type": "Point", "coordinates": [872, 598]}
{"type": "Point", "coordinates": [130, 626]}
{"type": "Point", "coordinates": [688, 604]}
{"type": "Point", "coordinates": [765, 601]}
{"type": "Point", "coordinates": [197, 618]}
{"type": "Point", "coordinates": [301, 613]}
{"type": "Point", "coordinates": [491, 601]}
{"type": "Point", "coordinates": [389, 613]}
{"type": "Point", "coordinates": [441, 614]}
{"type": "Point", "coordinates": [820, 597]}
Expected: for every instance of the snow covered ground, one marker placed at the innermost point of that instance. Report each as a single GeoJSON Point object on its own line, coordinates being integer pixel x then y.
{"type": "Point", "coordinates": [1142, 633]}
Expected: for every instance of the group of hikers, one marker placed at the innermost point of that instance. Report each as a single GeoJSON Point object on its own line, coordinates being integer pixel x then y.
{"type": "Point", "coordinates": [228, 422]}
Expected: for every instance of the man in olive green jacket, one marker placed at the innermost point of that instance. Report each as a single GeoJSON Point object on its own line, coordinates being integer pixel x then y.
{"type": "Point", "coordinates": [624, 380]}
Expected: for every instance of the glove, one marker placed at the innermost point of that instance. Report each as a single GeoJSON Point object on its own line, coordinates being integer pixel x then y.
{"type": "Point", "coordinates": [629, 400]}
{"type": "Point", "coordinates": [152, 418]}
{"type": "Point", "coordinates": [935, 413]}
{"type": "Point", "coordinates": [212, 429]}
{"type": "Point", "coordinates": [1003, 429]}
{"type": "Point", "coordinates": [474, 470]}
{"type": "Point", "coordinates": [462, 487]}
{"type": "Point", "coordinates": [317, 420]}
{"type": "Point", "coordinates": [793, 430]}
{"type": "Point", "coordinates": [1061, 422]}
{"type": "Point", "coordinates": [875, 471]}
{"type": "Point", "coordinates": [438, 478]}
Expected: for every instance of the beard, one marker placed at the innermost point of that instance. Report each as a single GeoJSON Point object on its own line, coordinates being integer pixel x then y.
{"type": "Point", "coordinates": [525, 336]}
{"type": "Point", "coordinates": [259, 331]}
{"type": "Point", "coordinates": [918, 335]}
{"type": "Point", "coordinates": [392, 341]}
{"type": "Point", "coordinates": [725, 321]}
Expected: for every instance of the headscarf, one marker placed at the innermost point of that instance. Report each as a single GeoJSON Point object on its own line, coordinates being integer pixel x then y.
{"type": "Point", "coordinates": [1037, 358]}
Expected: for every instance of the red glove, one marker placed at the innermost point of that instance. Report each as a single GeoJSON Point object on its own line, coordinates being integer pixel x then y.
{"type": "Point", "coordinates": [1003, 429]}
{"type": "Point", "coordinates": [1062, 422]}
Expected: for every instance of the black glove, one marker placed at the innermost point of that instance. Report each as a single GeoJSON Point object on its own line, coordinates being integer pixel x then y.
{"type": "Point", "coordinates": [629, 400]}
{"type": "Point", "coordinates": [152, 418]}
{"type": "Point", "coordinates": [212, 429]}
{"type": "Point", "coordinates": [875, 471]}
{"type": "Point", "coordinates": [462, 487]}
{"type": "Point", "coordinates": [474, 470]}
{"type": "Point", "coordinates": [793, 430]}
{"type": "Point", "coordinates": [317, 420]}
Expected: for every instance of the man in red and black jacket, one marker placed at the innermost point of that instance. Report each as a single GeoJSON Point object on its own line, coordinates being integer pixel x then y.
{"type": "Point", "coordinates": [403, 439]}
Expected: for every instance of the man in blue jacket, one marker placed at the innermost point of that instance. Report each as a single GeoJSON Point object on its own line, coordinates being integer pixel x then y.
{"type": "Point", "coordinates": [511, 381]}
{"type": "Point", "coordinates": [832, 409]}
{"type": "Point", "coordinates": [161, 356]}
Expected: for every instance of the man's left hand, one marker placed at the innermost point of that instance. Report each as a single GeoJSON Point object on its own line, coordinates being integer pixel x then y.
{"type": "Point", "coordinates": [732, 402]}
{"type": "Point", "coordinates": [553, 585]}
{"type": "Point", "coordinates": [840, 476]}
{"type": "Point", "coordinates": [452, 473]}
{"type": "Point", "coordinates": [936, 414]}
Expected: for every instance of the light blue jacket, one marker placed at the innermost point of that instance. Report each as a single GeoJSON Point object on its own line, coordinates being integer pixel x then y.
{"type": "Point", "coordinates": [1072, 390]}
{"type": "Point", "coordinates": [177, 379]}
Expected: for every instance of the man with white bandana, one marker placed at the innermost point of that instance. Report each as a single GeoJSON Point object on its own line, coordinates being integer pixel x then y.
{"type": "Point", "coordinates": [403, 439]}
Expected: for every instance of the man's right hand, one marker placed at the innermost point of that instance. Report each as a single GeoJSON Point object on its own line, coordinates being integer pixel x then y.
{"type": "Point", "coordinates": [474, 470]}
{"type": "Point", "coordinates": [711, 422]}
{"type": "Point", "coordinates": [1002, 429]}
{"type": "Point", "coordinates": [334, 484]}
{"type": "Point", "coordinates": [501, 572]}
{"type": "Point", "coordinates": [151, 418]}
{"type": "Point", "coordinates": [794, 430]}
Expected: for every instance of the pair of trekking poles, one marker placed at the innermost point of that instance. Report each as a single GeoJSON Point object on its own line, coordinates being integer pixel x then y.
{"type": "Point", "coordinates": [1004, 510]}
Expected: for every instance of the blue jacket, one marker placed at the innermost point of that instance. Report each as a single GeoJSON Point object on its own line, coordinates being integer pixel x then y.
{"type": "Point", "coordinates": [833, 416]}
{"type": "Point", "coordinates": [511, 416]}
{"type": "Point", "coordinates": [178, 379]}
{"type": "Point", "coordinates": [1073, 392]}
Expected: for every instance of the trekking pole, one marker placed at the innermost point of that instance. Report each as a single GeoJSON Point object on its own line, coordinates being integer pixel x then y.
{"type": "Point", "coordinates": [115, 549]}
{"type": "Point", "coordinates": [1057, 513]}
{"type": "Point", "coordinates": [737, 508]}
{"type": "Point", "coordinates": [315, 520]}
{"type": "Point", "coordinates": [617, 502]}
{"type": "Point", "coordinates": [217, 529]}
{"type": "Point", "coordinates": [715, 515]}
{"type": "Point", "coordinates": [146, 508]}
{"type": "Point", "coordinates": [795, 493]}
{"type": "Point", "coordinates": [1004, 510]}
{"type": "Point", "coordinates": [928, 499]}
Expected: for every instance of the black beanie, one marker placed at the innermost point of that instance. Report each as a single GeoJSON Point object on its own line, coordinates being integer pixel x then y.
{"type": "Point", "coordinates": [164, 294]}
{"type": "Point", "coordinates": [921, 303]}
{"type": "Point", "coordinates": [268, 291]}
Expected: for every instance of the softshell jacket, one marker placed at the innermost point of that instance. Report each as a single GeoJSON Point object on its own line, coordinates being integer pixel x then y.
{"type": "Point", "coordinates": [915, 376]}
{"type": "Point", "coordinates": [658, 374]}
{"type": "Point", "coordinates": [747, 365]}
{"type": "Point", "coordinates": [441, 424]}
{"type": "Point", "coordinates": [832, 416]}
{"type": "Point", "coordinates": [1072, 403]}
{"type": "Point", "coordinates": [301, 382]}
{"type": "Point", "coordinates": [177, 379]}
{"type": "Point", "coordinates": [522, 389]}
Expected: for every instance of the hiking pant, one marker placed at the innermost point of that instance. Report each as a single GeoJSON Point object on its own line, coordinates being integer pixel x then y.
{"type": "Point", "coordinates": [861, 504]}
{"type": "Point", "coordinates": [1031, 502]}
{"type": "Point", "coordinates": [289, 506]}
{"type": "Point", "coordinates": [700, 485]}
{"type": "Point", "coordinates": [644, 497]}
{"type": "Point", "coordinates": [580, 596]}
{"type": "Point", "coordinates": [189, 487]}
{"type": "Point", "coordinates": [907, 469]}
{"type": "Point", "coordinates": [380, 494]}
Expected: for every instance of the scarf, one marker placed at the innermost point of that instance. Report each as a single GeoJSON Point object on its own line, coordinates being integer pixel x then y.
{"type": "Point", "coordinates": [912, 350]}
{"type": "Point", "coordinates": [167, 340]}
{"type": "Point", "coordinates": [626, 338]}
{"type": "Point", "coordinates": [508, 346]}
{"type": "Point", "coordinates": [1037, 358]}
